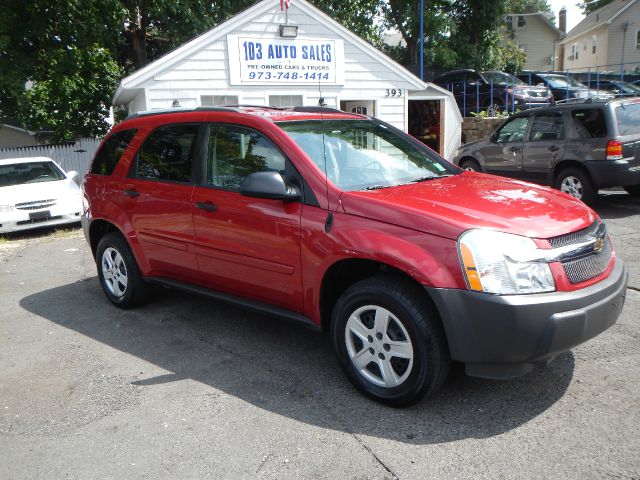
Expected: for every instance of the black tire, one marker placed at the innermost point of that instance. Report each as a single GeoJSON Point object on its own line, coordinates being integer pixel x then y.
{"type": "Point", "coordinates": [471, 165]}
{"type": "Point", "coordinates": [576, 183]}
{"type": "Point", "coordinates": [123, 285]}
{"type": "Point", "coordinates": [633, 190]}
{"type": "Point", "coordinates": [412, 326]}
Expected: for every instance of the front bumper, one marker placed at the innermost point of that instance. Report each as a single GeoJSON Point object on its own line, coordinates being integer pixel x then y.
{"type": "Point", "coordinates": [18, 221]}
{"type": "Point", "coordinates": [614, 173]}
{"type": "Point", "coordinates": [504, 336]}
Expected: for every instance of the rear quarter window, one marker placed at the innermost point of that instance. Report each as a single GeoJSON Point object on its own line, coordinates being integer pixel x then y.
{"type": "Point", "coordinates": [628, 118]}
{"type": "Point", "coordinates": [589, 123]}
{"type": "Point", "coordinates": [109, 154]}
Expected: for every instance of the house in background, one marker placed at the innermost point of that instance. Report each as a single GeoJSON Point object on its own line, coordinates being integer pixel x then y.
{"type": "Point", "coordinates": [608, 39]}
{"type": "Point", "coordinates": [302, 57]}
{"type": "Point", "coordinates": [536, 34]}
{"type": "Point", "coordinates": [12, 136]}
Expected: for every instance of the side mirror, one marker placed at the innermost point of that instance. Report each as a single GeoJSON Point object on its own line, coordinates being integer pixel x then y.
{"type": "Point", "coordinates": [73, 175]}
{"type": "Point", "coordinates": [493, 138]}
{"type": "Point", "coordinates": [268, 185]}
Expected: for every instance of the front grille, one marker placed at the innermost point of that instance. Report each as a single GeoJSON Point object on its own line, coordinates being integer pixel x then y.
{"type": "Point", "coordinates": [589, 266]}
{"type": "Point", "coordinates": [36, 205]}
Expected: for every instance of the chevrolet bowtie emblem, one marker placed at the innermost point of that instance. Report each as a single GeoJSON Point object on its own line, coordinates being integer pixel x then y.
{"type": "Point", "coordinates": [598, 245]}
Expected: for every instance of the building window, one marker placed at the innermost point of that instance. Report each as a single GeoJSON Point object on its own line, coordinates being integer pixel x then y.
{"type": "Point", "coordinates": [218, 100]}
{"type": "Point", "coordinates": [594, 44]}
{"type": "Point", "coordinates": [575, 50]}
{"type": "Point", "coordinates": [285, 100]}
{"type": "Point", "coordinates": [638, 39]}
{"type": "Point", "coordinates": [509, 22]}
{"type": "Point", "coordinates": [521, 21]}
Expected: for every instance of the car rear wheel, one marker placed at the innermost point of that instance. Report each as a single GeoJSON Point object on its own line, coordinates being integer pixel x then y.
{"type": "Point", "coordinates": [470, 165]}
{"type": "Point", "coordinates": [119, 273]}
{"type": "Point", "coordinates": [576, 183]}
{"type": "Point", "coordinates": [389, 341]}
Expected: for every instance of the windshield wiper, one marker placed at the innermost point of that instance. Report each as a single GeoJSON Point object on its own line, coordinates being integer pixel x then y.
{"type": "Point", "coordinates": [434, 177]}
{"type": "Point", "coordinates": [376, 187]}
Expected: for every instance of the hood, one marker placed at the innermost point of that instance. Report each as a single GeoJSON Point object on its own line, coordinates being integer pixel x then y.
{"type": "Point", "coordinates": [29, 192]}
{"type": "Point", "coordinates": [448, 206]}
{"type": "Point", "coordinates": [477, 143]}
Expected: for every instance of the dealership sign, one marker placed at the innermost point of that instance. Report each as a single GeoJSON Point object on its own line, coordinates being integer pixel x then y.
{"type": "Point", "coordinates": [276, 61]}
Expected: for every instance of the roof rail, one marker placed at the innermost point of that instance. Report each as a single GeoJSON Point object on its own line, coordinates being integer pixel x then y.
{"type": "Point", "coordinates": [317, 110]}
{"type": "Point", "coordinates": [164, 111]}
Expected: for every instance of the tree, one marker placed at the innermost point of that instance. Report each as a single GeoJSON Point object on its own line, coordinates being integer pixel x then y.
{"type": "Point", "coordinates": [512, 58]}
{"type": "Point", "coordinates": [589, 6]}
{"type": "Point", "coordinates": [528, 6]}
{"type": "Point", "coordinates": [458, 33]}
{"type": "Point", "coordinates": [57, 69]}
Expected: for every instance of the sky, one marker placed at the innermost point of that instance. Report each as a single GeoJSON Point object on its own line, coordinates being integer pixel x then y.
{"type": "Point", "coordinates": [574, 14]}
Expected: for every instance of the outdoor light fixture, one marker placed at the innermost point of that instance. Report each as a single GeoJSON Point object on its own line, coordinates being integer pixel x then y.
{"type": "Point", "coordinates": [288, 31]}
{"type": "Point", "coordinates": [176, 104]}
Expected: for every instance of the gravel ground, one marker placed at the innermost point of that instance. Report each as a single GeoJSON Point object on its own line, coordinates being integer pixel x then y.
{"type": "Point", "coordinates": [190, 388]}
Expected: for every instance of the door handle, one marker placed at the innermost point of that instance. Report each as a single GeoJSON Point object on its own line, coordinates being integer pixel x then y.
{"type": "Point", "coordinates": [553, 148]}
{"type": "Point", "coordinates": [207, 206]}
{"type": "Point", "coordinates": [131, 193]}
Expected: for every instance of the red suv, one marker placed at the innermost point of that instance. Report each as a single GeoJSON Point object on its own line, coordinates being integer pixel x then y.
{"type": "Point", "coordinates": [346, 224]}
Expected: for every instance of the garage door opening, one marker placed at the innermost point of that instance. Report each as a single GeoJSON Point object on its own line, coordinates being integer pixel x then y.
{"type": "Point", "coordinates": [426, 123]}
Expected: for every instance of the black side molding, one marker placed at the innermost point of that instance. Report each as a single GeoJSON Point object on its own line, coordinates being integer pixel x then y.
{"type": "Point", "coordinates": [252, 305]}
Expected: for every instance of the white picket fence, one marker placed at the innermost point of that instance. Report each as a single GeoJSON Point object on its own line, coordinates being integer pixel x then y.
{"type": "Point", "coordinates": [76, 156]}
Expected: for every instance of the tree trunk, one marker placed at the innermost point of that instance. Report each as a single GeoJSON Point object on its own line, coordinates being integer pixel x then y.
{"type": "Point", "coordinates": [135, 31]}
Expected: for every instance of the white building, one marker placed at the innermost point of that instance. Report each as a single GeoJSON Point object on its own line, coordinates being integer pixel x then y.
{"type": "Point", "coordinates": [264, 56]}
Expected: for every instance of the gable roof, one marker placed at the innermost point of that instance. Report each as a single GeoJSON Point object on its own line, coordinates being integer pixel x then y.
{"type": "Point", "coordinates": [603, 16]}
{"type": "Point", "coordinates": [544, 18]}
{"type": "Point", "coordinates": [131, 84]}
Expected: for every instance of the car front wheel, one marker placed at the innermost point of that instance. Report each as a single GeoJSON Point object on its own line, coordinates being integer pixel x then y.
{"type": "Point", "coordinates": [470, 165]}
{"type": "Point", "coordinates": [389, 341]}
{"type": "Point", "coordinates": [119, 273]}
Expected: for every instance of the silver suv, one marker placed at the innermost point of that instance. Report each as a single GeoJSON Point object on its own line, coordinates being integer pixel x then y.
{"type": "Point", "coordinates": [577, 148]}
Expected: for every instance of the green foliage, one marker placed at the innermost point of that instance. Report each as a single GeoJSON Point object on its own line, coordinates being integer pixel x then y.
{"type": "Point", "coordinates": [589, 6]}
{"type": "Point", "coordinates": [528, 6]}
{"type": "Point", "coordinates": [512, 58]}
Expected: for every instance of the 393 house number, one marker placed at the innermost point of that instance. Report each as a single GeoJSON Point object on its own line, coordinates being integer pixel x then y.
{"type": "Point", "coordinates": [393, 92]}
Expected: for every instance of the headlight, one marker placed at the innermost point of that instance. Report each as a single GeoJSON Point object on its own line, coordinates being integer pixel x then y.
{"type": "Point", "coordinates": [583, 94]}
{"type": "Point", "coordinates": [5, 208]}
{"type": "Point", "coordinates": [487, 259]}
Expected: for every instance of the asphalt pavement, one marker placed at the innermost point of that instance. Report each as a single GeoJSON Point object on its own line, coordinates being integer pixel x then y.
{"type": "Point", "coordinates": [186, 387]}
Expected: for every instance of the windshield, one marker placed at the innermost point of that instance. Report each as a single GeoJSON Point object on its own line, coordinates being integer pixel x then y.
{"type": "Point", "coordinates": [562, 82]}
{"type": "Point", "coordinates": [502, 78]}
{"type": "Point", "coordinates": [34, 172]}
{"type": "Point", "coordinates": [362, 154]}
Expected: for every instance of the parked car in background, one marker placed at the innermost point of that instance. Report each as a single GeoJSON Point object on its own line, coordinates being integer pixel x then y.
{"type": "Point", "coordinates": [477, 91]}
{"type": "Point", "coordinates": [36, 192]}
{"type": "Point", "coordinates": [346, 224]}
{"type": "Point", "coordinates": [576, 147]}
{"type": "Point", "coordinates": [563, 88]}
{"type": "Point", "coordinates": [618, 88]}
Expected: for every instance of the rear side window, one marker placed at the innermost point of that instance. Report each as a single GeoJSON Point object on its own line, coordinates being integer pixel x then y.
{"type": "Point", "coordinates": [590, 123]}
{"type": "Point", "coordinates": [167, 154]}
{"type": "Point", "coordinates": [628, 117]}
{"type": "Point", "coordinates": [108, 156]}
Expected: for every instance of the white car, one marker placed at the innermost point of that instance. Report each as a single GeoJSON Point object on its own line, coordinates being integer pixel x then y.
{"type": "Point", "coordinates": [36, 192]}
